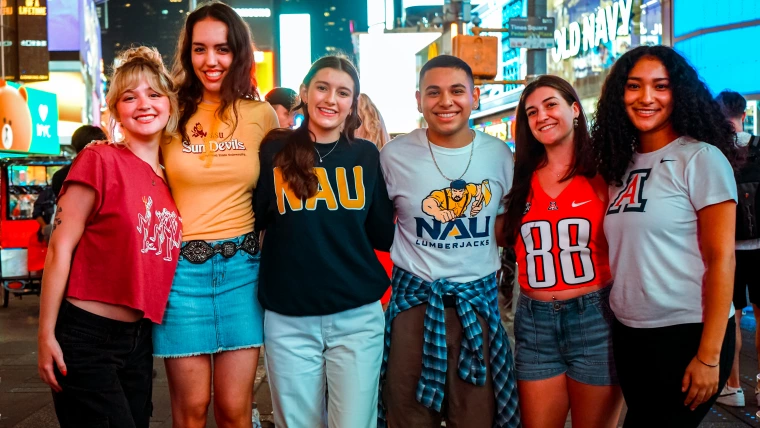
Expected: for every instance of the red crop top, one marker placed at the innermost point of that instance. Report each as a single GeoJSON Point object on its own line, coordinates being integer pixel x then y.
{"type": "Point", "coordinates": [128, 251]}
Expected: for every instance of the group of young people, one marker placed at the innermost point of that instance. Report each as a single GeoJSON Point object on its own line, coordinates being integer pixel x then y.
{"type": "Point", "coordinates": [207, 231]}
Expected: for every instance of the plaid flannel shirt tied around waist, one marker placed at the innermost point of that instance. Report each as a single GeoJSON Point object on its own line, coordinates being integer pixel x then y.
{"type": "Point", "coordinates": [475, 297]}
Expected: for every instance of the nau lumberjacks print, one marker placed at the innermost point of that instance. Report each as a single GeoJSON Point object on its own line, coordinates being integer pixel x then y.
{"type": "Point", "coordinates": [453, 213]}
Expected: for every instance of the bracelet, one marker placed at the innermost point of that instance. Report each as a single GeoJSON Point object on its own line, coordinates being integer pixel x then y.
{"type": "Point", "coordinates": [708, 365]}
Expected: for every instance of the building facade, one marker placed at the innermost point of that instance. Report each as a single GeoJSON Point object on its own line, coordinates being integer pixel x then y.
{"type": "Point", "coordinates": [592, 34]}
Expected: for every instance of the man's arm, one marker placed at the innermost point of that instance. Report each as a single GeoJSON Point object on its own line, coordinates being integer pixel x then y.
{"type": "Point", "coordinates": [431, 207]}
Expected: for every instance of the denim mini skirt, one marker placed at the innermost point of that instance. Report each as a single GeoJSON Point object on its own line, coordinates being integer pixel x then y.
{"type": "Point", "coordinates": [212, 307]}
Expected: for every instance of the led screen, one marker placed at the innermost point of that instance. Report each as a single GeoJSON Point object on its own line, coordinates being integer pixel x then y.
{"type": "Point", "coordinates": [63, 19]}
{"type": "Point", "coordinates": [725, 60]}
{"type": "Point", "coordinates": [693, 15]}
{"type": "Point", "coordinates": [295, 49]}
{"type": "Point", "coordinates": [392, 88]}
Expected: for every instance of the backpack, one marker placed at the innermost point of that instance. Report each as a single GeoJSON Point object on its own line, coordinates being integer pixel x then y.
{"type": "Point", "coordinates": [747, 183]}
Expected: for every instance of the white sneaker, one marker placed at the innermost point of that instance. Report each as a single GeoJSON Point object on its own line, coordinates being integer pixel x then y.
{"type": "Point", "coordinates": [732, 396]}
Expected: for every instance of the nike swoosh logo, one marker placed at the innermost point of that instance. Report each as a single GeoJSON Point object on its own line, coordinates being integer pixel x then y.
{"type": "Point", "coordinates": [667, 160]}
{"type": "Point", "coordinates": [579, 204]}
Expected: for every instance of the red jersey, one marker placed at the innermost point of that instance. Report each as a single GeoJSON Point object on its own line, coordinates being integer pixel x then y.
{"type": "Point", "coordinates": [128, 251]}
{"type": "Point", "coordinates": [561, 243]}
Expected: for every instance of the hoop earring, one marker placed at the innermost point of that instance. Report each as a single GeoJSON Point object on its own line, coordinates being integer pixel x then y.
{"type": "Point", "coordinates": [575, 122]}
{"type": "Point", "coordinates": [118, 134]}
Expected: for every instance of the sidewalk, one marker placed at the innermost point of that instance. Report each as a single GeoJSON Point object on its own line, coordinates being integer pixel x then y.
{"type": "Point", "coordinates": [25, 402]}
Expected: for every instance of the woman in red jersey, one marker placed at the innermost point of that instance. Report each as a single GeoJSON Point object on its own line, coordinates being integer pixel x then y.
{"type": "Point", "coordinates": [554, 221]}
{"type": "Point", "coordinates": [111, 260]}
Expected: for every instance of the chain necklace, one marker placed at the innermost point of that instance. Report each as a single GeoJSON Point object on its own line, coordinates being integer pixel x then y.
{"type": "Point", "coordinates": [472, 150]}
{"type": "Point", "coordinates": [328, 153]}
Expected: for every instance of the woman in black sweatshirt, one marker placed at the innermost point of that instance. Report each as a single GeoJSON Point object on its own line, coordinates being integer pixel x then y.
{"type": "Point", "coordinates": [323, 203]}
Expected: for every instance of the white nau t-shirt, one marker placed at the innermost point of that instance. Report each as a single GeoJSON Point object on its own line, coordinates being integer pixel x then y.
{"type": "Point", "coordinates": [460, 250]}
{"type": "Point", "coordinates": [651, 228]}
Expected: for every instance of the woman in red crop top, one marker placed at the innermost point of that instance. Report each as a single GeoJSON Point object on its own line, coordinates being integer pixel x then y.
{"type": "Point", "coordinates": [112, 256]}
{"type": "Point", "coordinates": [555, 211]}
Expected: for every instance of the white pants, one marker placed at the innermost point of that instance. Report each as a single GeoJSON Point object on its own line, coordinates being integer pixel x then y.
{"type": "Point", "coordinates": [341, 352]}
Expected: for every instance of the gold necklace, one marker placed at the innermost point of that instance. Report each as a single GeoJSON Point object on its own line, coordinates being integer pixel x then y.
{"type": "Point", "coordinates": [472, 150]}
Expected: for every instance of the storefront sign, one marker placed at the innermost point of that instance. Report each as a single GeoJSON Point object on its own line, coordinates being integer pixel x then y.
{"type": "Point", "coordinates": [531, 33]}
{"type": "Point", "coordinates": [605, 26]}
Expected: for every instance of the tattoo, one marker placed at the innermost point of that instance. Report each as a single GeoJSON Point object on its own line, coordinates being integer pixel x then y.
{"type": "Point", "coordinates": [57, 219]}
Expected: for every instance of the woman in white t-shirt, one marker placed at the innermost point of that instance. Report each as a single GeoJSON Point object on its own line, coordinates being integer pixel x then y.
{"type": "Point", "coordinates": [667, 152]}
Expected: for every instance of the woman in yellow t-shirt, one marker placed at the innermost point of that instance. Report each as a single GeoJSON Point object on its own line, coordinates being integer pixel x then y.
{"type": "Point", "coordinates": [213, 315]}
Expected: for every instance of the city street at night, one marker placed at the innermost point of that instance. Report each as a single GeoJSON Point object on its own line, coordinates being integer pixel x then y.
{"type": "Point", "coordinates": [379, 213]}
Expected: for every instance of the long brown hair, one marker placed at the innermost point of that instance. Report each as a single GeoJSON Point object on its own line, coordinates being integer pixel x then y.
{"type": "Point", "coordinates": [530, 154]}
{"type": "Point", "coordinates": [239, 82]}
{"type": "Point", "coordinates": [296, 159]}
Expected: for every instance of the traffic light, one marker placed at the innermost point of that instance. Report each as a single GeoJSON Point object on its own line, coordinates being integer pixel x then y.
{"type": "Point", "coordinates": [479, 52]}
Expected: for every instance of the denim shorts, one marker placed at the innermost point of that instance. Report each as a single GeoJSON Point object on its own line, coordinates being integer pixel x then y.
{"type": "Point", "coordinates": [571, 336]}
{"type": "Point", "coordinates": [212, 307]}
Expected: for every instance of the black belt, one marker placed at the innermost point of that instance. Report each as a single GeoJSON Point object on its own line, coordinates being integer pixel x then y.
{"type": "Point", "coordinates": [199, 251]}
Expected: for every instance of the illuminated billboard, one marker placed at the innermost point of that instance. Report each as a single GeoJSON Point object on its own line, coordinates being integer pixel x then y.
{"type": "Point", "coordinates": [33, 55]}
{"type": "Point", "coordinates": [63, 16]}
{"type": "Point", "coordinates": [264, 71]}
{"type": "Point", "coordinates": [30, 120]}
{"type": "Point", "coordinates": [718, 39]}
{"type": "Point", "coordinates": [295, 49]}
{"type": "Point", "coordinates": [392, 88]}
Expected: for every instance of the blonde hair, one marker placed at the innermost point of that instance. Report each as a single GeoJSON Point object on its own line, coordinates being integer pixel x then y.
{"type": "Point", "coordinates": [373, 127]}
{"type": "Point", "coordinates": [131, 66]}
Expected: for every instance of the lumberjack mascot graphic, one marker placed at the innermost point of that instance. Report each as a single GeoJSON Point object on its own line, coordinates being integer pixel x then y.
{"type": "Point", "coordinates": [451, 203]}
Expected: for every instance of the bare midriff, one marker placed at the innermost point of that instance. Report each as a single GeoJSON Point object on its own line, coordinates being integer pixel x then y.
{"type": "Point", "coordinates": [107, 310]}
{"type": "Point", "coordinates": [550, 296]}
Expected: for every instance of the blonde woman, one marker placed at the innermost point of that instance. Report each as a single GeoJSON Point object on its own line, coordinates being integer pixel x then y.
{"type": "Point", "coordinates": [111, 260]}
{"type": "Point", "coordinates": [373, 126]}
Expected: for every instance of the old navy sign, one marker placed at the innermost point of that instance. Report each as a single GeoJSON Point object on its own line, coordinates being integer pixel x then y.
{"type": "Point", "coordinates": [605, 26]}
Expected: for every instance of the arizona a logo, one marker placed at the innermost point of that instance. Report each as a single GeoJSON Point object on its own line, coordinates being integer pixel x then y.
{"type": "Point", "coordinates": [630, 198]}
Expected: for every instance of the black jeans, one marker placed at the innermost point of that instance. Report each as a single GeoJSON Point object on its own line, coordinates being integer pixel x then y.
{"type": "Point", "coordinates": [109, 371]}
{"type": "Point", "coordinates": [651, 363]}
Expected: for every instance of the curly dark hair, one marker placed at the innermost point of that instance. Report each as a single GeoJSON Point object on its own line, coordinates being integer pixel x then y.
{"type": "Point", "coordinates": [530, 154]}
{"type": "Point", "coordinates": [695, 113]}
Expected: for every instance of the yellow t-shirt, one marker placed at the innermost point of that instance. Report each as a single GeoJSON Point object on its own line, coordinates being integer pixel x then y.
{"type": "Point", "coordinates": [213, 175]}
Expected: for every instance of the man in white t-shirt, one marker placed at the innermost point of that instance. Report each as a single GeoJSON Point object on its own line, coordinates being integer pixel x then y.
{"type": "Point", "coordinates": [443, 326]}
{"type": "Point", "coordinates": [747, 260]}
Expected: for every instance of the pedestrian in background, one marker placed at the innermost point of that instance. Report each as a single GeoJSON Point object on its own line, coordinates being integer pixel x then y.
{"type": "Point", "coordinates": [284, 101]}
{"type": "Point", "coordinates": [746, 278]}
{"type": "Point", "coordinates": [555, 222]}
{"type": "Point", "coordinates": [373, 129]}
{"type": "Point", "coordinates": [373, 126]}
{"type": "Point", "coordinates": [213, 318]}
{"type": "Point", "coordinates": [324, 207]}
{"type": "Point", "coordinates": [44, 205]}
{"type": "Point", "coordinates": [667, 152]}
{"type": "Point", "coordinates": [83, 136]}
{"type": "Point", "coordinates": [112, 256]}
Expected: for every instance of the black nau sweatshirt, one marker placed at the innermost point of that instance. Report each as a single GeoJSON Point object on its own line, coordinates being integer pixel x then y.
{"type": "Point", "coordinates": [318, 254]}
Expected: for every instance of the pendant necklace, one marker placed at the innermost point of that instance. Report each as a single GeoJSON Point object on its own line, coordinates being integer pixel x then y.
{"type": "Point", "coordinates": [472, 150]}
{"type": "Point", "coordinates": [328, 153]}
